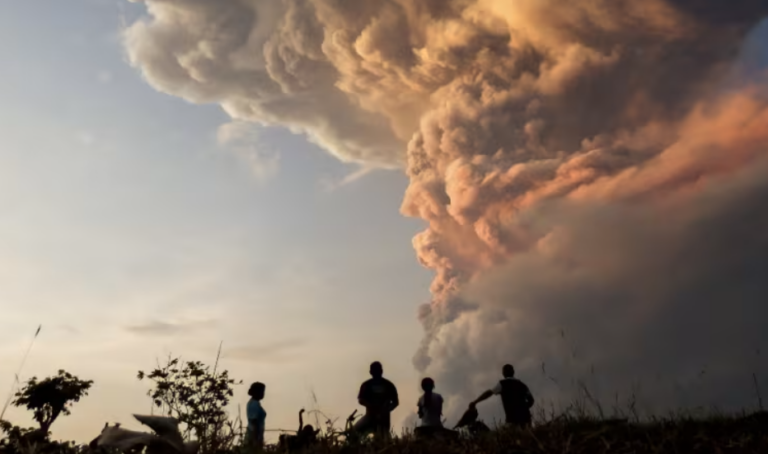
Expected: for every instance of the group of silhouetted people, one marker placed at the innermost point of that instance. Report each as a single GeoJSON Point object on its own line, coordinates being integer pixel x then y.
{"type": "Point", "coordinates": [379, 397]}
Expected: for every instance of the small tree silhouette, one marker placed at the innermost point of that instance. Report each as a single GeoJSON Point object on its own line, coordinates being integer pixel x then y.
{"type": "Point", "coordinates": [197, 397]}
{"type": "Point", "coordinates": [51, 397]}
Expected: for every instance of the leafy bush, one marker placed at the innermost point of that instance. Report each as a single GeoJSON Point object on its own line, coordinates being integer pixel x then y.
{"type": "Point", "coordinates": [18, 440]}
{"type": "Point", "coordinates": [47, 399]}
{"type": "Point", "coordinates": [51, 397]}
{"type": "Point", "coordinates": [196, 396]}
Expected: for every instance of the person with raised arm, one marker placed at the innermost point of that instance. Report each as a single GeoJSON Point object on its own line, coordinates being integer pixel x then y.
{"type": "Point", "coordinates": [515, 397]}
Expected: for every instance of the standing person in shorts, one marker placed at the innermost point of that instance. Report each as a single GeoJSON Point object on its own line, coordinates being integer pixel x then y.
{"type": "Point", "coordinates": [515, 396]}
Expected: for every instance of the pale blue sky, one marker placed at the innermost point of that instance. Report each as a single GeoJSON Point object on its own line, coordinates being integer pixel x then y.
{"type": "Point", "coordinates": [119, 210]}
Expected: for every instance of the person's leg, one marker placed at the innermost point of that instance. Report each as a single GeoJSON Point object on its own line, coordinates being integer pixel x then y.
{"type": "Point", "coordinates": [521, 421]}
{"type": "Point", "coordinates": [249, 444]}
{"type": "Point", "coordinates": [363, 426]}
{"type": "Point", "coordinates": [437, 432]}
{"type": "Point", "coordinates": [478, 427]}
{"type": "Point", "coordinates": [448, 433]}
{"type": "Point", "coordinates": [528, 421]}
{"type": "Point", "coordinates": [518, 422]}
{"type": "Point", "coordinates": [383, 427]}
{"type": "Point", "coordinates": [252, 445]}
{"type": "Point", "coordinates": [426, 431]}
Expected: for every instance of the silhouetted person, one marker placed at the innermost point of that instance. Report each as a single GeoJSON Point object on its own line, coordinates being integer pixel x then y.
{"type": "Point", "coordinates": [430, 405]}
{"type": "Point", "coordinates": [305, 436]}
{"type": "Point", "coordinates": [379, 397]}
{"type": "Point", "coordinates": [430, 412]}
{"type": "Point", "coordinates": [254, 436]}
{"type": "Point", "coordinates": [468, 418]}
{"type": "Point", "coordinates": [515, 396]}
{"type": "Point", "coordinates": [469, 421]}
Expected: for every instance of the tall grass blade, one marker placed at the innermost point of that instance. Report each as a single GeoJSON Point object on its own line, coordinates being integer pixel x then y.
{"type": "Point", "coordinates": [18, 372]}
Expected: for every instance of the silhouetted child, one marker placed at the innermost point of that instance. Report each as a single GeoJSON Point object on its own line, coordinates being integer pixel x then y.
{"type": "Point", "coordinates": [254, 436]}
{"type": "Point", "coordinates": [430, 405]}
{"type": "Point", "coordinates": [430, 412]}
{"type": "Point", "coordinates": [306, 436]}
{"type": "Point", "coordinates": [469, 421]}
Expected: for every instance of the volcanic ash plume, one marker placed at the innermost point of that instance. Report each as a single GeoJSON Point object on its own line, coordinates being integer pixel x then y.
{"type": "Point", "coordinates": [592, 172]}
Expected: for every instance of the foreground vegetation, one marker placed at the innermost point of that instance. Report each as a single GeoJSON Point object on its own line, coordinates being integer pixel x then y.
{"type": "Point", "coordinates": [721, 435]}
{"type": "Point", "coordinates": [196, 396]}
{"type": "Point", "coordinates": [718, 435]}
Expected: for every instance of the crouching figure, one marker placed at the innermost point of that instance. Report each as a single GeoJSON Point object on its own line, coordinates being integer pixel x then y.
{"type": "Point", "coordinates": [305, 437]}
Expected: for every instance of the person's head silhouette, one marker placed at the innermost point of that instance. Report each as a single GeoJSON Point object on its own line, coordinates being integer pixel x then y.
{"type": "Point", "coordinates": [257, 390]}
{"type": "Point", "coordinates": [427, 384]}
{"type": "Point", "coordinates": [508, 371]}
{"type": "Point", "coordinates": [376, 369]}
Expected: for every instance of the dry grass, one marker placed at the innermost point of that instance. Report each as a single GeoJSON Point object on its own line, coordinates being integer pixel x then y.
{"type": "Point", "coordinates": [564, 435]}
{"type": "Point", "coordinates": [745, 434]}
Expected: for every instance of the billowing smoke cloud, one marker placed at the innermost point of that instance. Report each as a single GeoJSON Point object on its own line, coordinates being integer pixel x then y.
{"type": "Point", "coordinates": [650, 265]}
{"type": "Point", "coordinates": [589, 179]}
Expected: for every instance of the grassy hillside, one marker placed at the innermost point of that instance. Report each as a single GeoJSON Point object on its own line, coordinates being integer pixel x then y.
{"type": "Point", "coordinates": [715, 435]}
{"type": "Point", "coordinates": [196, 396]}
{"type": "Point", "coordinates": [748, 434]}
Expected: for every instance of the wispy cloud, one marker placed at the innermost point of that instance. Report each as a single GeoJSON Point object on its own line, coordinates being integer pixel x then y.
{"type": "Point", "coordinates": [237, 132]}
{"type": "Point", "coordinates": [245, 142]}
{"type": "Point", "coordinates": [104, 76]}
{"type": "Point", "coordinates": [330, 185]}
{"type": "Point", "coordinates": [273, 352]}
{"type": "Point", "coordinates": [85, 138]}
{"type": "Point", "coordinates": [166, 328]}
{"type": "Point", "coordinates": [263, 165]}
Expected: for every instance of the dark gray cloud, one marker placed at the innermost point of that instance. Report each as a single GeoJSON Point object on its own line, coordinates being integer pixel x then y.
{"type": "Point", "coordinates": [668, 304]}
